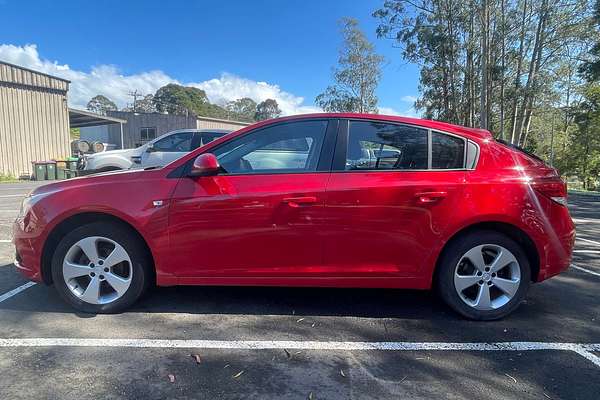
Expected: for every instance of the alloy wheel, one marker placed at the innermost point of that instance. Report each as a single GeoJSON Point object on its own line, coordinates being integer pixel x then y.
{"type": "Point", "coordinates": [97, 270]}
{"type": "Point", "coordinates": [487, 277]}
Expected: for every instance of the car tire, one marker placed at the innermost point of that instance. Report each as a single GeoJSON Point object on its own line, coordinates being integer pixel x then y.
{"type": "Point", "coordinates": [113, 286]}
{"type": "Point", "coordinates": [488, 287]}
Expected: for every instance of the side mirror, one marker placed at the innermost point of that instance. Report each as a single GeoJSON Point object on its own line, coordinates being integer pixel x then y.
{"type": "Point", "coordinates": [205, 165]}
{"type": "Point", "coordinates": [150, 148]}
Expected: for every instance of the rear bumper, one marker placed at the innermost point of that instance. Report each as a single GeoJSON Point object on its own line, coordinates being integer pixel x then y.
{"type": "Point", "coordinates": [555, 246]}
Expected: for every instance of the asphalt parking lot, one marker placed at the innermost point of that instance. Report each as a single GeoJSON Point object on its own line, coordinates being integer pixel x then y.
{"type": "Point", "coordinates": [196, 342]}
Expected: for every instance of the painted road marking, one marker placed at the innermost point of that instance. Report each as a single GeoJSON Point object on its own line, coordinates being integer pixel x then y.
{"type": "Point", "coordinates": [586, 220]}
{"type": "Point", "coordinates": [12, 195]}
{"type": "Point", "coordinates": [16, 291]}
{"type": "Point", "coordinates": [588, 240]}
{"type": "Point", "coordinates": [584, 350]}
{"type": "Point", "coordinates": [585, 270]}
{"type": "Point", "coordinates": [5, 240]}
{"type": "Point", "coordinates": [587, 251]}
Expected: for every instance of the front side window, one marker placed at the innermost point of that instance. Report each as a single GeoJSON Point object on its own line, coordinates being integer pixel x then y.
{"type": "Point", "coordinates": [447, 152]}
{"type": "Point", "coordinates": [382, 146]}
{"type": "Point", "coordinates": [177, 142]}
{"type": "Point", "coordinates": [291, 147]}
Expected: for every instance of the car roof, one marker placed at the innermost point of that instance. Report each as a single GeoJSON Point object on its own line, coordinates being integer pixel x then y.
{"type": "Point", "coordinates": [425, 123]}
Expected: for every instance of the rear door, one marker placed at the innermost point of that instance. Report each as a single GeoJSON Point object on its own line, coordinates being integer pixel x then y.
{"type": "Point", "coordinates": [387, 200]}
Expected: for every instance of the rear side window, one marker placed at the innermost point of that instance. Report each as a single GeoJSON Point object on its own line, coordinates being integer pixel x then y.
{"type": "Point", "coordinates": [381, 146]}
{"type": "Point", "coordinates": [447, 152]}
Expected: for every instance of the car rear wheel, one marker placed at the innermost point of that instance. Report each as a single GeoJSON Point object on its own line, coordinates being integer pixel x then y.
{"type": "Point", "coordinates": [484, 275]}
{"type": "Point", "coordinates": [100, 268]}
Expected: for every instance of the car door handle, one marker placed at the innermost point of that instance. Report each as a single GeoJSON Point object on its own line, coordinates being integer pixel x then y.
{"type": "Point", "coordinates": [296, 202]}
{"type": "Point", "coordinates": [430, 197]}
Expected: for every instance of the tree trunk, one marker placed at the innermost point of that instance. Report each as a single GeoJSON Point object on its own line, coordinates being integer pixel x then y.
{"type": "Point", "coordinates": [502, 65]}
{"type": "Point", "coordinates": [534, 67]}
{"type": "Point", "coordinates": [518, 74]}
{"type": "Point", "coordinates": [483, 109]}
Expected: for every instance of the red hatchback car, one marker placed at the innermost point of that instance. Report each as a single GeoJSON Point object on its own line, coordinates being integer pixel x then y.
{"type": "Point", "coordinates": [339, 200]}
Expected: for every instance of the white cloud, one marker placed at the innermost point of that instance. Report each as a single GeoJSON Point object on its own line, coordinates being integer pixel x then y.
{"type": "Point", "coordinates": [409, 99]}
{"type": "Point", "coordinates": [108, 81]}
{"type": "Point", "coordinates": [411, 112]}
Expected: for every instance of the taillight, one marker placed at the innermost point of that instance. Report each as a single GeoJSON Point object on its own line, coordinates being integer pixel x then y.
{"type": "Point", "coordinates": [553, 188]}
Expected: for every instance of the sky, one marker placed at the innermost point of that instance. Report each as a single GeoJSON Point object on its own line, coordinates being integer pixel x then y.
{"type": "Point", "coordinates": [282, 49]}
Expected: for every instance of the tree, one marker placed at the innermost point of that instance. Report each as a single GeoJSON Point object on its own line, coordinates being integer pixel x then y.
{"type": "Point", "coordinates": [177, 99]}
{"type": "Point", "coordinates": [244, 108]}
{"type": "Point", "coordinates": [357, 75]}
{"type": "Point", "coordinates": [266, 110]}
{"type": "Point", "coordinates": [591, 68]}
{"type": "Point", "coordinates": [586, 138]}
{"type": "Point", "coordinates": [100, 104]}
{"type": "Point", "coordinates": [504, 55]}
{"type": "Point", "coordinates": [186, 100]}
{"type": "Point", "coordinates": [145, 105]}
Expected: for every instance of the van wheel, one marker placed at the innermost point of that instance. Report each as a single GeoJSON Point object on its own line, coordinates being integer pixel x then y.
{"type": "Point", "coordinates": [483, 275]}
{"type": "Point", "coordinates": [101, 268]}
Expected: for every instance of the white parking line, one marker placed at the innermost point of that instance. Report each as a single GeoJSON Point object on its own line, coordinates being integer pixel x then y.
{"type": "Point", "coordinates": [588, 240]}
{"type": "Point", "coordinates": [12, 195]}
{"type": "Point", "coordinates": [587, 251]}
{"type": "Point", "coordinates": [585, 350]}
{"type": "Point", "coordinates": [5, 241]}
{"type": "Point", "coordinates": [586, 220]}
{"type": "Point", "coordinates": [16, 291]}
{"type": "Point", "coordinates": [585, 270]}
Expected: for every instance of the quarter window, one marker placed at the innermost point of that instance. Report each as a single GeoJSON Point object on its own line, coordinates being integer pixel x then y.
{"type": "Point", "coordinates": [291, 147]}
{"type": "Point", "coordinates": [381, 146]}
{"type": "Point", "coordinates": [447, 152]}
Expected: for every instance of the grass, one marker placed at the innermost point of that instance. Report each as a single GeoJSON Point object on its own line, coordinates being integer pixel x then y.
{"type": "Point", "coordinates": [8, 179]}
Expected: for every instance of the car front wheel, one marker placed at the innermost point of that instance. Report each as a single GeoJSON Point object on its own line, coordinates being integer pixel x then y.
{"type": "Point", "coordinates": [484, 275]}
{"type": "Point", "coordinates": [100, 268]}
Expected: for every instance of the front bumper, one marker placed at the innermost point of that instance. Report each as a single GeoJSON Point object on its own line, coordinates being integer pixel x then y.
{"type": "Point", "coordinates": [27, 251]}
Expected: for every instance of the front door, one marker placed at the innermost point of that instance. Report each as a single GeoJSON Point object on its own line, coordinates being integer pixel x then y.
{"type": "Point", "coordinates": [262, 215]}
{"type": "Point", "coordinates": [386, 204]}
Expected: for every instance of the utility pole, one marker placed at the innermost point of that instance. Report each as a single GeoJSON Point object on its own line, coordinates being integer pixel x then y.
{"type": "Point", "coordinates": [135, 94]}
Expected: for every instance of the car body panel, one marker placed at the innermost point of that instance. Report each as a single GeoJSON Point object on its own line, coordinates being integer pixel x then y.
{"type": "Point", "coordinates": [360, 228]}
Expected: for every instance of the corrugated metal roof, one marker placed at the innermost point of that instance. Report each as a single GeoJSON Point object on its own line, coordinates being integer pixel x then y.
{"type": "Point", "coordinates": [17, 75]}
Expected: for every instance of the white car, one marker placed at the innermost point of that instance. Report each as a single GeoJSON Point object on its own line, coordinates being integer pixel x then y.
{"type": "Point", "coordinates": [158, 152]}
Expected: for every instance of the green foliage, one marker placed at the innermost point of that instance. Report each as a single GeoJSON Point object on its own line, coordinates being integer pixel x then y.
{"type": "Point", "coordinates": [243, 109]}
{"type": "Point", "coordinates": [182, 100]}
{"type": "Point", "coordinates": [586, 138]}
{"type": "Point", "coordinates": [591, 68]}
{"type": "Point", "coordinates": [7, 178]}
{"type": "Point", "coordinates": [266, 110]}
{"type": "Point", "coordinates": [100, 104]}
{"type": "Point", "coordinates": [144, 105]}
{"type": "Point", "coordinates": [357, 75]}
{"type": "Point", "coordinates": [75, 133]}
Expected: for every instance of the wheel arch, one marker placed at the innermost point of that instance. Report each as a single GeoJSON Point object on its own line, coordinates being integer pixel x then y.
{"type": "Point", "coordinates": [73, 221]}
{"type": "Point", "coordinates": [512, 231]}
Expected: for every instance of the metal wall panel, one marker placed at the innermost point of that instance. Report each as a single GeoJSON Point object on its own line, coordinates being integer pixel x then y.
{"type": "Point", "coordinates": [34, 126]}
